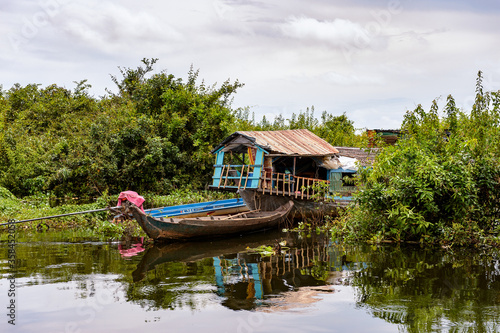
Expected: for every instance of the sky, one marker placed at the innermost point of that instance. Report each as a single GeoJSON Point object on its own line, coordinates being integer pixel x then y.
{"type": "Point", "coordinates": [372, 60]}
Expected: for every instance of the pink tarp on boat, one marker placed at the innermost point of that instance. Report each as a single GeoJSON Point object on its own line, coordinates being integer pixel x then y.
{"type": "Point", "coordinates": [131, 196]}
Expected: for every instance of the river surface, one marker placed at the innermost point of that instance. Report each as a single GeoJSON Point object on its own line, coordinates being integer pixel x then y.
{"type": "Point", "coordinates": [246, 285]}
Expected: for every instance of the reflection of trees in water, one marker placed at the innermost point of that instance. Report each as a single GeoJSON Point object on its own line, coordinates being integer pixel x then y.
{"type": "Point", "coordinates": [426, 291]}
{"type": "Point", "coordinates": [182, 275]}
{"type": "Point", "coordinates": [174, 285]}
{"type": "Point", "coordinates": [48, 263]}
{"type": "Point", "coordinates": [421, 290]}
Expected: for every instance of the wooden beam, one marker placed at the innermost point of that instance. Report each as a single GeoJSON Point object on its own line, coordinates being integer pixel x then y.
{"type": "Point", "coordinates": [221, 175]}
{"type": "Point", "coordinates": [227, 174]}
{"type": "Point", "coordinates": [241, 175]}
{"type": "Point", "coordinates": [284, 184]}
{"type": "Point", "coordinates": [246, 178]}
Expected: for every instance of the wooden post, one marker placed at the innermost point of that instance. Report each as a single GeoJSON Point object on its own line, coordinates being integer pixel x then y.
{"type": "Point", "coordinates": [272, 182]}
{"type": "Point", "coordinates": [219, 160]}
{"type": "Point", "coordinates": [258, 166]}
{"type": "Point", "coordinates": [246, 178]}
{"type": "Point", "coordinates": [227, 174]}
{"type": "Point", "coordinates": [221, 175]}
{"type": "Point", "coordinates": [241, 175]}
{"type": "Point", "coordinates": [264, 183]}
{"type": "Point", "coordinates": [288, 183]}
{"type": "Point", "coordinates": [284, 184]}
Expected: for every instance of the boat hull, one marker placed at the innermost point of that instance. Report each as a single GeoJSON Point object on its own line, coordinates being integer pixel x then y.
{"type": "Point", "coordinates": [168, 229]}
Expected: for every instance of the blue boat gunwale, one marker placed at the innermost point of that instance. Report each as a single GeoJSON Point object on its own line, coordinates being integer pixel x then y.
{"type": "Point", "coordinates": [198, 207]}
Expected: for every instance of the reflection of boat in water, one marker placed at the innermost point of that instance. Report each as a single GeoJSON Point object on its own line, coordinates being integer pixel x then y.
{"type": "Point", "coordinates": [191, 252]}
{"type": "Point", "coordinates": [162, 229]}
{"type": "Point", "coordinates": [244, 278]}
{"type": "Point", "coordinates": [131, 249]}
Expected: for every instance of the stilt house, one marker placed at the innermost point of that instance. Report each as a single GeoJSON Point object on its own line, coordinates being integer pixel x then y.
{"type": "Point", "coordinates": [285, 163]}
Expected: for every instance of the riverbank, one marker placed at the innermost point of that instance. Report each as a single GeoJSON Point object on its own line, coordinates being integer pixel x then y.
{"type": "Point", "coordinates": [93, 225]}
{"type": "Point", "coordinates": [353, 226]}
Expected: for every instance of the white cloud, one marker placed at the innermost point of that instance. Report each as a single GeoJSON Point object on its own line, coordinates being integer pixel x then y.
{"type": "Point", "coordinates": [112, 27]}
{"type": "Point", "coordinates": [349, 80]}
{"type": "Point", "coordinates": [337, 33]}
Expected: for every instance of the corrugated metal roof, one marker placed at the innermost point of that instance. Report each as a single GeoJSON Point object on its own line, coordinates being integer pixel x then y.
{"type": "Point", "coordinates": [366, 156]}
{"type": "Point", "coordinates": [291, 142]}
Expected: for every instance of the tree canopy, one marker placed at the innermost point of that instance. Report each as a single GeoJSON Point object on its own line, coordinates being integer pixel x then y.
{"type": "Point", "coordinates": [153, 135]}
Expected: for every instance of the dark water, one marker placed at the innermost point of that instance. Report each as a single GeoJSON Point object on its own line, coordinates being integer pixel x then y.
{"type": "Point", "coordinates": [314, 285]}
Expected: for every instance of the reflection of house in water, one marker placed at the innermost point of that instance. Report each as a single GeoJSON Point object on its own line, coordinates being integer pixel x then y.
{"type": "Point", "coordinates": [249, 280]}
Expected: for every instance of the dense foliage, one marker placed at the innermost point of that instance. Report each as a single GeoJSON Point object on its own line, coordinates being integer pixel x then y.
{"type": "Point", "coordinates": [154, 135]}
{"type": "Point", "coordinates": [442, 179]}
{"type": "Point", "coordinates": [43, 205]}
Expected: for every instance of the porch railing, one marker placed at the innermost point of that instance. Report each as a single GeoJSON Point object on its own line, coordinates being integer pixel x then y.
{"type": "Point", "coordinates": [237, 176]}
{"type": "Point", "coordinates": [287, 184]}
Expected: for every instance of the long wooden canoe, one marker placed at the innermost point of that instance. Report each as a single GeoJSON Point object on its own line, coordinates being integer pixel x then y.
{"type": "Point", "coordinates": [165, 229]}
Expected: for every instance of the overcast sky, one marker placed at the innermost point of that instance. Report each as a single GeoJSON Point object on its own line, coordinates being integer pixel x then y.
{"type": "Point", "coordinates": [371, 59]}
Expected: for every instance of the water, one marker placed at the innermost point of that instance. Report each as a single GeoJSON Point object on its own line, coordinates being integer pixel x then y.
{"type": "Point", "coordinates": [314, 285]}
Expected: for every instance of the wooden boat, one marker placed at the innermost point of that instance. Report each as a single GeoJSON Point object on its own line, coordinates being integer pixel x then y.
{"type": "Point", "coordinates": [164, 229]}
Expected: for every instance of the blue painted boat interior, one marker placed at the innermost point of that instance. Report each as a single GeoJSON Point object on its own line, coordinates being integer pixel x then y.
{"type": "Point", "coordinates": [195, 208]}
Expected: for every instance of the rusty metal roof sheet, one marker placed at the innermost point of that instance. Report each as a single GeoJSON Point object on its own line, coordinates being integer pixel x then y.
{"type": "Point", "coordinates": [366, 156]}
{"type": "Point", "coordinates": [300, 142]}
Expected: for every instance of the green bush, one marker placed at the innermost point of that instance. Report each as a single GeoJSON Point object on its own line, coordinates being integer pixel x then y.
{"type": "Point", "coordinates": [441, 182]}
